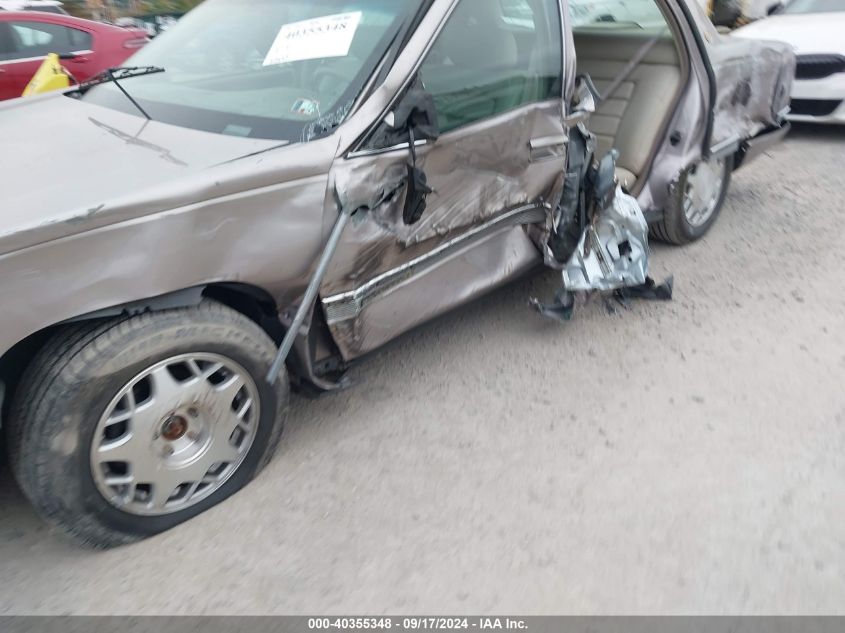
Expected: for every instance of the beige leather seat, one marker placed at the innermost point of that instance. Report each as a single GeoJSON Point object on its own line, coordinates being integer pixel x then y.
{"type": "Point", "coordinates": [633, 117]}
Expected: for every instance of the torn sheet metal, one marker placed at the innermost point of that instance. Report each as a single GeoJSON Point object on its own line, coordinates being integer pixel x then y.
{"type": "Point", "coordinates": [613, 251]}
{"type": "Point", "coordinates": [565, 225]}
{"type": "Point", "coordinates": [363, 319]}
{"type": "Point", "coordinates": [754, 80]}
{"type": "Point", "coordinates": [598, 235]}
{"type": "Point", "coordinates": [480, 175]}
{"type": "Point", "coordinates": [612, 256]}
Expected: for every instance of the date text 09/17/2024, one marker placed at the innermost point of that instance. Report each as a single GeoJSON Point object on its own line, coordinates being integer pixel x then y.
{"type": "Point", "coordinates": [417, 624]}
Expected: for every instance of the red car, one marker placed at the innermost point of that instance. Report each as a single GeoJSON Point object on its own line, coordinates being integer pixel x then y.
{"type": "Point", "coordinates": [87, 48]}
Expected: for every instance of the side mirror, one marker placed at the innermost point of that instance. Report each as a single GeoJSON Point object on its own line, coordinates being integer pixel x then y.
{"type": "Point", "coordinates": [415, 118]}
{"type": "Point", "coordinates": [584, 102]}
{"type": "Point", "coordinates": [415, 115]}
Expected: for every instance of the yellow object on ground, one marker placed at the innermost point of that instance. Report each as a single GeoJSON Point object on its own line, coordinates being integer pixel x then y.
{"type": "Point", "coordinates": [51, 76]}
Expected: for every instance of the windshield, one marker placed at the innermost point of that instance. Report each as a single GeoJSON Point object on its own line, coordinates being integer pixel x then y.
{"type": "Point", "coordinates": [814, 6]}
{"type": "Point", "coordinates": [276, 69]}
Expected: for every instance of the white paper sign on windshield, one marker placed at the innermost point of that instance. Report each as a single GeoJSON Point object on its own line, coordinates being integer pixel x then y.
{"type": "Point", "coordinates": [328, 36]}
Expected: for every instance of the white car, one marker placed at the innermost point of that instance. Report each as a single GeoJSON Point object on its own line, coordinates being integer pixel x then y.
{"type": "Point", "coordinates": [48, 6]}
{"type": "Point", "coordinates": [816, 30]}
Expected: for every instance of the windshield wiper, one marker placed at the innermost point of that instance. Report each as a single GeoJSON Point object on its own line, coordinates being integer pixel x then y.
{"type": "Point", "coordinates": [116, 75]}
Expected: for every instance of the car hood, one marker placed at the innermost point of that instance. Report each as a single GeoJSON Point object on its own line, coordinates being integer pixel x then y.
{"type": "Point", "coordinates": [65, 161]}
{"type": "Point", "coordinates": [810, 33]}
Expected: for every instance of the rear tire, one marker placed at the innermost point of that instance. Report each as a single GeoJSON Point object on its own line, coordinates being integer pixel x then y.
{"type": "Point", "coordinates": [82, 380]}
{"type": "Point", "coordinates": [681, 224]}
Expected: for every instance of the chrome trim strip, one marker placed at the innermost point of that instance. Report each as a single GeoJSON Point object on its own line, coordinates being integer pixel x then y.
{"type": "Point", "coordinates": [40, 58]}
{"type": "Point", "coordinates": [348, 305]}
{"type": "Point", "coordinates": [385, 150]}
{"type": "Point", "coordinates": [22, 60]}
{"type": "Point", "coordinates": [558, 140]}
{"type": "Point", "coordinates": [723, 148]}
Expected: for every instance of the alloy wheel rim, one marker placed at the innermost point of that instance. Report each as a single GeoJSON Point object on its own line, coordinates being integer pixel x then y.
{"type": "Point", "coordinates": [175, 434]}
{"type": "Point", "coordinates": [702, 190]}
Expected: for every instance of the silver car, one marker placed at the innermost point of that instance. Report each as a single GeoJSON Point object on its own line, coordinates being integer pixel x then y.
{"type": "Point", "coordinates": [271, 192]}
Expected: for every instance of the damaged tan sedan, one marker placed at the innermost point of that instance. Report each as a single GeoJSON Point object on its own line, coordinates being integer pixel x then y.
{"type": "Point", "coordinates": [269, 193]}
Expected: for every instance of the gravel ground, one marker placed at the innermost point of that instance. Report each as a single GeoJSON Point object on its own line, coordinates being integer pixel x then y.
{"type": "Point", "coordinates": [686, 457]}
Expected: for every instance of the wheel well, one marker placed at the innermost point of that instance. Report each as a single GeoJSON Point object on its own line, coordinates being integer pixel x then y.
{"type": "Point", "coordinates": [253, 302]}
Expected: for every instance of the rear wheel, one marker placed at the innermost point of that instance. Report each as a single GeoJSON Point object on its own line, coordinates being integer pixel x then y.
{"type": "Point", "coordinates": [125, 428]}
{"type": "Point", "coordinates": [696, 202]}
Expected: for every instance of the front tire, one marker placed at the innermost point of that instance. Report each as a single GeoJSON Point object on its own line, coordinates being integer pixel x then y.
{"type": "Point", "coordinates": [125, 428]}
{"type": "Point", "coordinates": [695, 202]}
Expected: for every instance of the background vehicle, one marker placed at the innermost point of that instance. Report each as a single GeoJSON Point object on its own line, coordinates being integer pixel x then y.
{"type": "Point", "coordinates": [87, 48]}
{"type": "Point", "coordinates": [149, 305]}
{"type": "Point", "coordinates": [153, 24]}
{"type": "Point", "coordinates": [47, 6]}
{"type": "Point", "coordinates": [814, 28]}
{"type": "Point", "coordinates": [619, 11]}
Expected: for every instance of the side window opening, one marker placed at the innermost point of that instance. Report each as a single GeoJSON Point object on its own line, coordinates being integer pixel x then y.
{"type": "Point", "coordinates": [32, 37]}
{"type": "Point", "coordinates": [608, 34]}
{"type": "Point", "coordinates": [80, 40]}
{"type": "Point", "coordinates": [8, 49]}
{"type": "Point", "coordinates": [493, 56]}
{"type": "Point", "coordinates": [41, 38]}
